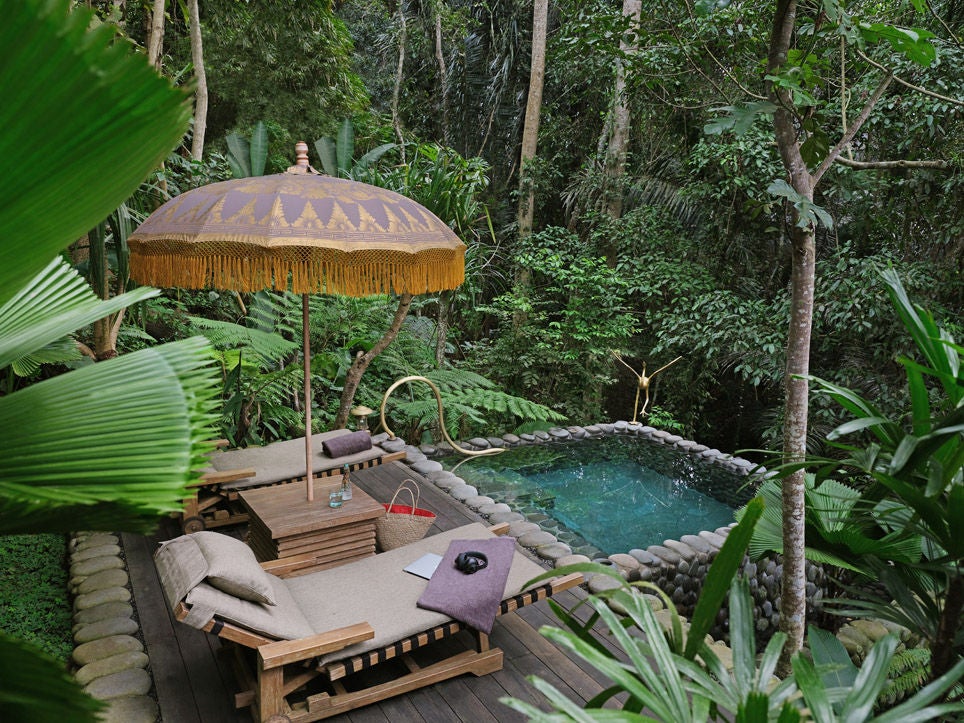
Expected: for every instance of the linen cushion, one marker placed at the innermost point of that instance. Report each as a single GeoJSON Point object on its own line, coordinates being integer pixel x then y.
{"type": "Point", "coordinates": [284, 620]}
{"type": "Point", "coordinates": [233, 568]}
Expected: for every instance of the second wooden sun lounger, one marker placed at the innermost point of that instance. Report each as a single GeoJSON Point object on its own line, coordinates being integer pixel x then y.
{"type": "Point", "coordinates": [214, 497]}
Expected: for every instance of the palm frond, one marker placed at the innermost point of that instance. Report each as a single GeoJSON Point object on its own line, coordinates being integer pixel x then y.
{"type": "Point", "coordinates": [56, 302]}
{"type": "Point", "coordinates": [136, 448]}
{"type": "Point", "coordinates": [56, 352]}
{"type": "Point", "coordinates": [102, 107]}
{"type": "Point", "coordinates": [267, 345]}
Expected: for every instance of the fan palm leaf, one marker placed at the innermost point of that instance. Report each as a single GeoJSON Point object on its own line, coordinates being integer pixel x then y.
{"type": "Point", "coordinates": [98, 101]}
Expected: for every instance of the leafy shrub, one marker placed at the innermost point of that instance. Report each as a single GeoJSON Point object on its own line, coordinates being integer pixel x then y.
{"type": "Point", "coordinates": [33, 592]}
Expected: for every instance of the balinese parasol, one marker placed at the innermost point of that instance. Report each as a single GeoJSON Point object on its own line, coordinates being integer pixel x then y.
{"type": "Point", "coordinates": [297, 231]}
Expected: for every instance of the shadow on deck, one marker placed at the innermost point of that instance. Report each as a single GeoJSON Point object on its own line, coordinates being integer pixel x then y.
{"type": "Point", "coordinates": [194, 683]}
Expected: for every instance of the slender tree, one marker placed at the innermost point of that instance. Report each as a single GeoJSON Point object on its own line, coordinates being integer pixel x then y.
{"type": "Point", "coordinates": [201, 81]}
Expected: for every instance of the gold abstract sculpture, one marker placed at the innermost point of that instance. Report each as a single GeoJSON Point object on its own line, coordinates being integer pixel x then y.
{"type": "Point", "coordinates": [441, 418]}
{"type": "Point", "coordinates": [643, 381]}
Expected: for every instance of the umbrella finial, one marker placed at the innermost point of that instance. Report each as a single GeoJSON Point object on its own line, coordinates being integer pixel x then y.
{"type": "Point", "coordinates": [301, 166]}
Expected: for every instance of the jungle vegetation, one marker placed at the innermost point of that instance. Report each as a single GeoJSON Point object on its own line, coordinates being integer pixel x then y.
{"type": "Point", "coordinates": [717, 180]}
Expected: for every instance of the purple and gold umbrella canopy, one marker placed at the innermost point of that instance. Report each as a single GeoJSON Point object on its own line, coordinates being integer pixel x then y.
{"type": "Point", "coordinates": [297, 231]}
{"type": "Point", "coordinates": [305, 233]}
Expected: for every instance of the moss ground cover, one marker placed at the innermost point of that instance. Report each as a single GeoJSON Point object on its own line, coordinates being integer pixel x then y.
{"type": "Point", "coordinates": [34, 605]}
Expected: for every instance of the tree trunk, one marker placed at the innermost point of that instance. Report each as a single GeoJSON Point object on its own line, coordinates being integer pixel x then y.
{"type": "Point", "coordinates": [530, 133]}
{"type": "Point", "coordinates": [155, 35]}
{"type": "Point", "coordinates": [399, 71]}
{"type": "Point", "coordinates": [361, 362]}
{"type": "Point", "coordinates": [942, 650]}
{"type": "Point", "coordinates": [442, 76]}
{"type": "Point", "coordinates": [530, 136]}
{"type": "Point", "coordinates": [617, 128]}
{"type": "Point", "coordinates": [200, 77]}
{"type": "Point", "coordinates": [442, 328]}
{"type": "Point", "coordinates": [793, 606]}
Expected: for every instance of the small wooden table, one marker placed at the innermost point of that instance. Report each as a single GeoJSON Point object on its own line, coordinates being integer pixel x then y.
{"type": "Point", "coordinates": [310, 535]}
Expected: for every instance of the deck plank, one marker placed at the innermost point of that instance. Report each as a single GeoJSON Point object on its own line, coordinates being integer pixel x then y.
{"type": "Point", "coordinates": [195, 684]}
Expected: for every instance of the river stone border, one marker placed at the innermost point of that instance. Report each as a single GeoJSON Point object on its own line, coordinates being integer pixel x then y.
{"type": "Point", "coordinates": [108, 659]}
{"type": "Point", "coordinates": [677, 567]}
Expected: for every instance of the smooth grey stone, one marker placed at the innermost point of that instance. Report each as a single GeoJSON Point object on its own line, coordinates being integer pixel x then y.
{"type": "Point", "coordinates": [379, 438]}
{"type": "Point", "coordinates": [668, 556]}
{"type": "Point", "coordinates": [526, 437]}
{"type": "Point", "coordinates": [97, 539]}
{"type": "Point", "coordinates": [111, 665]}
{"type": "Point", "coordinates": [698, 449]}
{"type": "Point", "coordinates": [554, 551]}
{"type": "Point", "coordinates": [494, 508]}
{"type": "Point", "coordinates": [560, 433]}
{"type": "Point", "coordinates": [134, 709]}
{"type": "Point", "coordinates": [536, 538]}
{"type": "Point", "coordinates": [477, 502]}
{"type": "Point", "coordinates": [440, 474]}
{"type": "Point", "coordinates": [99, 597]}
{"type": "Point", "coordinates": [393, 445]}
{"type": "Point", "coordinates": [711, 453]}
{"type": "Point", "coordinates": [479, 442]}
{"type": "Point", "coordinates": [644, 557]}
{"type": "Point", "coordinates": [697, 543]}
{"type": "Point", "coordinates": [522, 527]}
{"type": "Point", "coordinates": [115, 577]}
{"type": "Point", "coordinates": [713, 539]}
{"type": "Point", "coordinates": [429, 450]}
{"type": "Point", "coordinates": [724, 531]}
{"type": "Point", "coordinates": [607, 428]}
{"type": "Point", "coordinates": [449, 483]}
{"type": "Point", "coordinates": [621, 559]}
{"type": "Point", "coordinates": [510, 439]}
{"type": "Point", "coordinates": [413, 456]}
{"type": "Point", "coordinates": [673, 439]}
{"type": "Point", "coordinates": [102, 612]}
{"type": "Point", "coordinates": [571, 560]}
{"type": "Point", "coordinates": [686, 444]}
{"type": "Point", "coordinates": [463, 492]}
{"type": "Point", "coordinates": [86, 568]}
{"type": "Point", "coordinates": [427, 466]}
{"type": "Point", "coordinates": [105, 648]}
{"type": "Point", "coordinates": [543, 435]}
{"type": "Point", "coordinates": [126, 684]}
{"type": "Point", "coordinates": [620, 426]}
{"type": "Point", "coordinates": [601, 583]}
{"type": "Point", "coordinates": [496, 442]}
{"type": "Point", "coordinates": [684, 551]}
{"type": "Point", "coordinates": [499, 517]}
{"type": "Point", "coordinates": [96, 551]}
{"type": "Point", "coordinates": [593, 429]}
{"type": "Point", "coordinates": [105, 629]}
{"type": "Point", "coordinates": [577, 432]}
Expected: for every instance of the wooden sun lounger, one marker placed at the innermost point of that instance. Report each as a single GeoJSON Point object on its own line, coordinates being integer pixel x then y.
{"type": "Point", "coordinates": [214, 501]}
{"type": "Point", "coordinates": [324, 674]}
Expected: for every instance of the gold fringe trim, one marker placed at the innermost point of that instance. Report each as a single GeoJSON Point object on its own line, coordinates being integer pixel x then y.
{"type": "Point", "coordinates": [305, 270]}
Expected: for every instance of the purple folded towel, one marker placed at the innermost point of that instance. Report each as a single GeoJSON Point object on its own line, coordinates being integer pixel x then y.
{"type": "Point", "coordinates": [346, 444]}
{"type": "Point", "coordinates": [472, 599]}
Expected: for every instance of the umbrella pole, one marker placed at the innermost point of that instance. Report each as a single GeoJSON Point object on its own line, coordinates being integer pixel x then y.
{"type": "Point", "coordinates": [307, 355]}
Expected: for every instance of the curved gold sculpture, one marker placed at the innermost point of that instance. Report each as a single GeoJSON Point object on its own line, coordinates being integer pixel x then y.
{"type": "Point", "coordinates": [441, 417]}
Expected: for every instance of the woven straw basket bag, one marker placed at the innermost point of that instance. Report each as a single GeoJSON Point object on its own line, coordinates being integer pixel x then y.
{"type": "Point", "coordinates": [402, 524]}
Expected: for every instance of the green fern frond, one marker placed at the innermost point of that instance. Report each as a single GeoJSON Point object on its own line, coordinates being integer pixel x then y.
{"type": "Point", "coordinates": [266, 345]}
{"type": "Point", "coordinates": [907, 673]}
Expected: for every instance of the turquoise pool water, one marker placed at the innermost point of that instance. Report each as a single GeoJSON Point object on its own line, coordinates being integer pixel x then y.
{"type": "Point", "coordinates": [609, 494]}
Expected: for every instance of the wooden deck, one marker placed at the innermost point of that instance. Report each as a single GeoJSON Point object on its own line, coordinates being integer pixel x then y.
{"type": "Point", "coordinates": [194, 683]}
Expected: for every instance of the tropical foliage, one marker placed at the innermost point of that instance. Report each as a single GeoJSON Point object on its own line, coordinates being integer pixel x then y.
{"type": "Point", "coordinates": [110, 445]}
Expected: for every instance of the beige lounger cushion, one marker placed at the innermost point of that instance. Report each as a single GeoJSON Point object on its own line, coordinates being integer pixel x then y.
{"type": "Point", "coordinates": [233, 568]}
{"type": "Point", "coordinates": [378, 591]}
{"type": "Point", "coordinates": [283, 620]}
{"type": "Point", "coordinates": [280, 461]}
